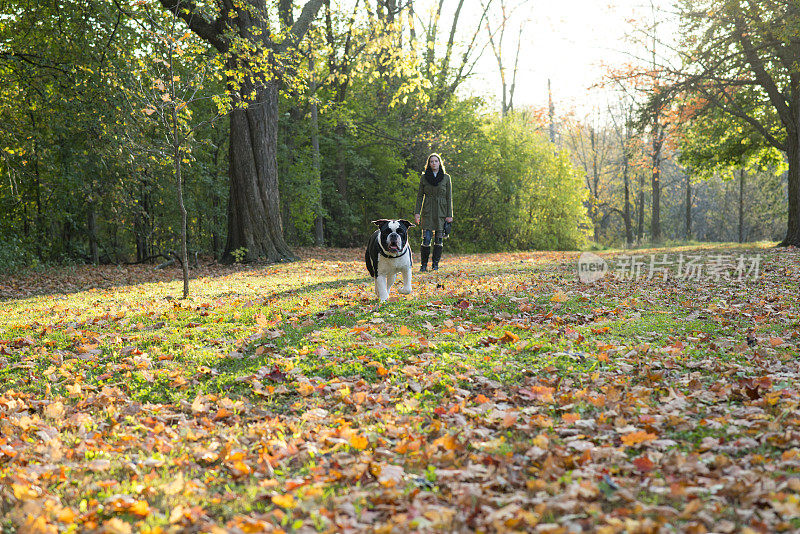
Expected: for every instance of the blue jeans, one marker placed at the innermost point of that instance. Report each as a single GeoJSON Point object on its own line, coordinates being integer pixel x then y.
{"type": "Point", "coordinates": [428, 234]}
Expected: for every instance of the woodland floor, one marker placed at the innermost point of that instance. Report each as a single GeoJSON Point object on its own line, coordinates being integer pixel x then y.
{"type": "Point", "coordinates": [501, 395]}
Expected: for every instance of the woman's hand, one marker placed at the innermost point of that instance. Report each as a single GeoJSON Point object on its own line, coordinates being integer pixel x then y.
{"type": "Point", "coordinates": [416, 218]}
{"type": "Point", "coordinates": [448, 219]}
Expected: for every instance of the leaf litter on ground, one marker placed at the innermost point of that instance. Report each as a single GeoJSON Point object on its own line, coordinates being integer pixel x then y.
{"type": "Point", "coordinates": [502, 395]}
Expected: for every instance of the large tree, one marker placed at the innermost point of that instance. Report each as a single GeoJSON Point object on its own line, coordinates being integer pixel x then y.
{"type": "Point", "coordinates": [737, 47]}
{"type": "Point", "coordinates": [252, 45]}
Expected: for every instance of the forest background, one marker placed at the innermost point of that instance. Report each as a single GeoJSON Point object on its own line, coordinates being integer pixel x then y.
{"type": "Point", "coordinates": [247, 128]}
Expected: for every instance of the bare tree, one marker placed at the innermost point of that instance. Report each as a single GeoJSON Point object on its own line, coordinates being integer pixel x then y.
{"type": "Point", "coordinates": [496, 38]}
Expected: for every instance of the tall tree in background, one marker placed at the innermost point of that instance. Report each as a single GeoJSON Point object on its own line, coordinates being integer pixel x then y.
{"type": "Point", "coordinates": [252, 45]}
{"type": "Point", "coordinates": [645, 82]}
{"type": "Point", "coordinates": [742, 58]}
{"type": "Point", "coordinates": [591, 148]}
{"type": "Point", "coordinates": [496, 42]}
{"type": "Point", "coordinates": [622, 121]}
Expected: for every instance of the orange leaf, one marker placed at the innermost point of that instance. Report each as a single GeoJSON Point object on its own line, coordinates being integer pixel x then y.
{"type": "Point", "coordinates": [404, 331]}
{"type": "Point", "coordinates": [448, 441]}
{"type": "Point", "coordinates": [359, 442]}
{"type": "Point", "coordinates": [140, 508]}
{"type": "Point", "coordinates": [67, 516]}
{"type": "Point", "coordinates": [305, 389]}
{"type": "Point", "coordinates": [570, 417]}
{"type": "Point", "coordinates": [240, 468]}
{"type": "Point", "coordinates": [480, 399]}
{"type": "Point", "coordinates": [644, 464]}
{"type": "Point", "coordinates": [775, 341]}
{"type": "Point", "coordinates": [509, 337]}
{"type": "Point", "coordinates": [542, 393]}
{"type": "Point", "coordinates": [640, 436]}
{"type": "Point", "coordinates": [510, 419]}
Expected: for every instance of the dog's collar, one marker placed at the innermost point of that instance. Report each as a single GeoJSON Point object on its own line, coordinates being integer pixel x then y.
{"type": "Point", "coordinates": [385, 255]}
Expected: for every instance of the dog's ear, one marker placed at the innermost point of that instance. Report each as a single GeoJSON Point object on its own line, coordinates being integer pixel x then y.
{"type": "Point", "coordinates": [408, 224]}
{"type": "Point", "coordinates": [380, 222]}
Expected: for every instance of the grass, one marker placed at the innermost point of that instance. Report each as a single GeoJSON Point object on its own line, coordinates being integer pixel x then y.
{"type": "Point", "coordinates": [283, 397]}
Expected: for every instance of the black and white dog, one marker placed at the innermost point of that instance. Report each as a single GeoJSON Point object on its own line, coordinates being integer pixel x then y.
{"type": "Point", "coordinates": [387, 254]}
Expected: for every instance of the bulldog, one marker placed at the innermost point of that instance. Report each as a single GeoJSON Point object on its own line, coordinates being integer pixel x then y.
{"type": "Point", "coordinates": [387, 254]}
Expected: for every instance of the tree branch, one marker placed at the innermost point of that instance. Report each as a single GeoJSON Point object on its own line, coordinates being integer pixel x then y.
{"type": "Point", "coordinates": [762, 77]}
{"type": "Point", "coordinates": [189, 12]}
{"type": "Point", "coordinates": [300, 26]}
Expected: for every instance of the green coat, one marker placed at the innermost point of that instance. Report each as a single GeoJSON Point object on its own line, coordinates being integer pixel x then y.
{"type": "Point", "coordinates": [434, 203]}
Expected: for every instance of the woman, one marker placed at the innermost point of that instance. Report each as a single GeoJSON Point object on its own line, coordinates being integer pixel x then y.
{"type": "Point", "coordinates": [435, 205]}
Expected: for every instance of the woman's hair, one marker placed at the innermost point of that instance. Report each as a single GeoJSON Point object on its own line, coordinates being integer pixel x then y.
{"type": "Point", "coordinates": [428, 163]}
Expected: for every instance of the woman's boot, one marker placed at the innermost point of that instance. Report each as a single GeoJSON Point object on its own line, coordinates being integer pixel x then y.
{"type": "Point", "coordinates": [437, 254]}
{"type": "Point", "coordinates": [424, 252]}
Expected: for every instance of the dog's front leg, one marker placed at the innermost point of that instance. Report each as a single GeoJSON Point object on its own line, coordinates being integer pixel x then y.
{"type": "Point", "coordinates": [380, 287]}
{"type": "Point", "coordinates": [406, 281]}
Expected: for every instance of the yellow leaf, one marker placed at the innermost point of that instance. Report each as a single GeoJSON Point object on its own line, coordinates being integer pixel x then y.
{"type": "Point", "coordinates": [558, 296]}
{"type": "Point", "coordinates": [23, 493]}
{"type": "Point", "coordinates": [284, 501]}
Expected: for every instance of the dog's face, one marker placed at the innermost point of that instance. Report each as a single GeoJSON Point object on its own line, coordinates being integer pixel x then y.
{"type": "Point", "coordinates": [394, 234]}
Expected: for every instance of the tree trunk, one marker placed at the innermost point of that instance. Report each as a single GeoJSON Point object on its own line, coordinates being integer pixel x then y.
{"type": "Point", "coordinates": [741, 206]}
{"type": "Point", "coordinates": [793, 218]}
{"type": "Point", "coordinates": [640, 210]}
{"type": "Point", "coordinates": [176, 154]}
{"type": "Point", "coordinates": [627, 208]}
{"type": "Point", "coordinates": [254, 216]}
{"type": "Point", "coordinates": [551, 110]}
{"type": "Point", "coordinates": [140, 226]}
{"type": "Point", "coordinates": [215, 203]}
{"type": "Point", "coordinates": [92, 228]}
{"type": "Point", "coordinates": [688, 207]}
{"type": "Point", "coordinates": [655, 220]}
{"type": "Point", "coordinates": [319, 236]}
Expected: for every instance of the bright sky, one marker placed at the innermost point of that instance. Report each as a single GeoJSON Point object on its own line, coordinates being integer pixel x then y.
{"type": "Point", "coordinates": [567, 41]}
